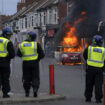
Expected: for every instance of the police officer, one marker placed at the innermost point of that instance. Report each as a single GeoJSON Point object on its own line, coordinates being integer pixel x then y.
{"type": "Point", "coordinates": [6, 54]}
{"type": "Point", "coordinates": [95, 58]}
{"type": "Point", "coordinates": [31, 53]}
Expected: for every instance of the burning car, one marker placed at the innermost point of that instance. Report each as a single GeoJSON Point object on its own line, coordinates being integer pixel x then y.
{"type": "Point", "coordinates": [71, 58]}
{"type": "Point", "coordinates": [70, 47]}
{"type": "Point", "coordinates": [68, 57]}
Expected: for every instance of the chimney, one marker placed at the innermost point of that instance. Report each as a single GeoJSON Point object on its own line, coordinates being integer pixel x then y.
{"type": "Point", "coordinates": [20, 6]}
{"type": "Point", "coordinates": [28, 2]}
{"type": "Point", "coordinates": [22, 1]}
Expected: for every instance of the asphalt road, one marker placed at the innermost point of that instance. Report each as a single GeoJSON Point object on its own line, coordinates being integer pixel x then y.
{"type": "Point", "coordinates": [69, 81]}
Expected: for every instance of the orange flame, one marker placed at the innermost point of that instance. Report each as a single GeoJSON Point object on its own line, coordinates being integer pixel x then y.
{"type": "Point", "coordinates": [70, 41]}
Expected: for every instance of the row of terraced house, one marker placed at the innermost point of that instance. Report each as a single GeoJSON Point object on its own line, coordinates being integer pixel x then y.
{"type": "Point", "coordinates": [41, 16]}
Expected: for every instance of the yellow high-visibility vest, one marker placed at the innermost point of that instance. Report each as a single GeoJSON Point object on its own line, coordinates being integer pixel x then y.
{"type": "Point", "coordinates": [3, 47]}
{"type": "Point", "coordinates": [29, 50]}
{"type": "Point", "coordinates": [96, 56]}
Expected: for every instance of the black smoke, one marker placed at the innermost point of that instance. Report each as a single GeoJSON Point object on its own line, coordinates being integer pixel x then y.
{"type": "Point", "coordinates": [89, 26]}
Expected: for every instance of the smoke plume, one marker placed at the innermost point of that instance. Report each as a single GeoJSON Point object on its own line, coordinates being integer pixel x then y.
{"type": "Point", "coordinates": [89, 25]}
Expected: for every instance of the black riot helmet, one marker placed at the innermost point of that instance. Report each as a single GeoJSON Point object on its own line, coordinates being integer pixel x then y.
{"type": "Point", "coordinates": [31, 35]}
{"type": "Point", "coordinates": [98, 40]}
{"type": "Point", "coordinates": [7, 32]}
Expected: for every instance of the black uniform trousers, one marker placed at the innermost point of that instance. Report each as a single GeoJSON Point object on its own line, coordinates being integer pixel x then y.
{"type": "Point", "coordinates": [31, 75]}
{"type": "Point", "coordinates": [4, 78]}
{"type": "Point", "coordinates": [94, 79]}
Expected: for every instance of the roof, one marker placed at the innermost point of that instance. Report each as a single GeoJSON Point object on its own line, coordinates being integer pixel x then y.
{"type": "Point", "coordinates": [47, 4]}
{"type": "Point", "coordinates": [37, 5]}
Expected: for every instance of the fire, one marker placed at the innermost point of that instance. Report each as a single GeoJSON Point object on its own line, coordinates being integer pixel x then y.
{"type": "Point", "coordinates": [60, 63]}
{"type": "Point", "coordinates": [70, 38]}
{"type": "Point", "coordinates": [70, 42]}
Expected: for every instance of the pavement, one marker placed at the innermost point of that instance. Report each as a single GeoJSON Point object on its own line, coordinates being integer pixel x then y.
{"type": "Point", "coordinates": [20, 98]}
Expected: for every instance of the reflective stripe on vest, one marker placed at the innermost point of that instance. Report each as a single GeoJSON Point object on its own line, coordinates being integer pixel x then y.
{"type": "Point", "coordinates": [96, 56]}
{"type": "Point", "coordinates": [3, 47]}
{"type": "Point", "coordinates": [29, 50]}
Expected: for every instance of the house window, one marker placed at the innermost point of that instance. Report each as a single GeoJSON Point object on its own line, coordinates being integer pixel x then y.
{"type": "Point", "coordinates": [44, 18]}
{"type": "Point", "coordinates": [36, 20]}
{"type": "Point", "coordinates": [29, 21]}
{"type": "Point", "coordinates": [50, 16]}
{"type": "Point", "coordinates": [25, 22]}
{"type": "Point", "coordinates": [32, 21]}
{"type": "Point", "coordinates": [55, 17]}
{"type": "Point", "coordinates": [22, 23]}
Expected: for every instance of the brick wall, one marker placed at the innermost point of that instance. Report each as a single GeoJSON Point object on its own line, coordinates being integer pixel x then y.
{"type": "Point", "coordinates": [20, 6]}
{"type": "Point", "coordinates": [28, 2]}
{"type": "Point", "coordinates": [62, 10]}
{"type": "Point", "coordinates": [3, 18]}
{"type": "Point", "coordinates": [24, 3]}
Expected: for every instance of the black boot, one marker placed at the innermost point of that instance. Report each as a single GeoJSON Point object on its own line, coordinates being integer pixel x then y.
{"type": "Point", "coordinates": [26, 93]}
{"type": "Point", "coordinates": [98, 101]}
{"type": "Point", "coordinates": [35, 90]}
{"type": "Point", "coordinates": [88, 100]}
{"type": "Point", "coordinates": [6, 95]}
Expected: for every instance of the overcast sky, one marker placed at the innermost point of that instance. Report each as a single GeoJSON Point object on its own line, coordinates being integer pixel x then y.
{"type": "Point", "coordinates": [8, 7]}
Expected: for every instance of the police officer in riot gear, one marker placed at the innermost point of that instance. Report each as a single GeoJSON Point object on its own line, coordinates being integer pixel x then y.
{"type": "Point", "coordinates": [31, 53]}
{"type": "Point", "coordinates": [95, 59]}
{"type": "Point", "coordinates": [6, 54]}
